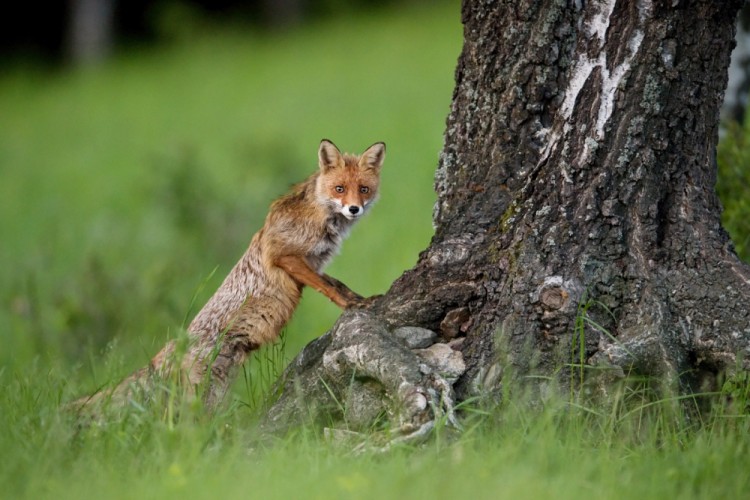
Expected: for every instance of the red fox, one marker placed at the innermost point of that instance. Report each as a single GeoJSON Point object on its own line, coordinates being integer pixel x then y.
{"type": "Point", "coordinates": [302, 232]}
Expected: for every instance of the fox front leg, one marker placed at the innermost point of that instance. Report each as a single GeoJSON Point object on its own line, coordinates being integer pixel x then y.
{"type": "Point", "coordinates": [351, 296]}
{"type": "Point", "coordinates": [301, 271]}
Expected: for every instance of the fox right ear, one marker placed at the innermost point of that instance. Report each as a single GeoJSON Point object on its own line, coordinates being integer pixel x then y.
{"type": "Point", "coordinates": [373, 156]}
{"type": "Point", "coordinates": [329, 155]}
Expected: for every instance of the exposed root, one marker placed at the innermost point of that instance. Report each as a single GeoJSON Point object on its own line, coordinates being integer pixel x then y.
{"type": "Point", "coordinates": [442, 407]}
{"type": "Point", "coordinates": [364, 366]}
{"type": "Point", "coordinates": [442, 403]}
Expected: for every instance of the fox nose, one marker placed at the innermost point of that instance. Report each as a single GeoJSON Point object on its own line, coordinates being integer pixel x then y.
{"type": "Point", "coordinates": [353, 209]}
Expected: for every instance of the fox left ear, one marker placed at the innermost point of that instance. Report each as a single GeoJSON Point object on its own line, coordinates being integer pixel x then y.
{"type": "Point", "coordinates": [373, 156]}
{"type": "Point", "coordinates": [329, 156]}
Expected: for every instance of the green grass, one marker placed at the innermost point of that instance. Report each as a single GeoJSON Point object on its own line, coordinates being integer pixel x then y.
{"type": "Point", "coordinates": [640, 447]}
{"type": "Point", "coordinates": [128, 191]}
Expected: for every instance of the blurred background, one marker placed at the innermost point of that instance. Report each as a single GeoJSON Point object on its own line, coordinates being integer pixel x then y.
{"type": "Point", "coordinates": [141, 143]}
{"type": "Point", "coordinates": [89, 31]}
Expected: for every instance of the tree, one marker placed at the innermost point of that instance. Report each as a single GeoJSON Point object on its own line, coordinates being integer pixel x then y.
{"type": "Point", "coordinates": [576, 177]}
{"type": "Point", "coordinates": [577, 174]}
{"type": "Point", "coordinates": [90, 30]}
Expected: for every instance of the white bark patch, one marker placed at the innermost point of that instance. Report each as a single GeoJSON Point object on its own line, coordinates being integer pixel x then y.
{"type": "Point", "coordinates": [599, 22]}
{"type": "Point", "coordinates": [581, 72]}
{"type": "Point", "coordinates": [550, 143]}
{"type": "Point", "coordinates": [611, 80]}
{"type": "Point", "coordinates": [596, 28]}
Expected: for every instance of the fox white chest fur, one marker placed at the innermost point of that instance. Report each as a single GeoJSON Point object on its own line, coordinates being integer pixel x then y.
{"type": "Point", "coordinates": [336, 229]}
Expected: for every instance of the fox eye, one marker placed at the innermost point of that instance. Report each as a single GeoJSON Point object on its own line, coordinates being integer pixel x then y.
{"type": "Point", "coordinates": [364, 189]}
{"type": "Point", "coordinates": [339, 189]}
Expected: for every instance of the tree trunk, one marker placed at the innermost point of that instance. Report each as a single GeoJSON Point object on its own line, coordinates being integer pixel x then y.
{"type": "Point", "coordinates": [577, 173]}
{"type": "Point", "coordinates": [90, 30]}
{"type": "Point", "coordinates": [283, 13]}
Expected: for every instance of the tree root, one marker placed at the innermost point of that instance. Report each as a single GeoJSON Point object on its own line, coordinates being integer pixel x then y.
{"type": "Point", "coordinates": [366, 372]}
{"type": "Point", "coordinates": [441, 406]}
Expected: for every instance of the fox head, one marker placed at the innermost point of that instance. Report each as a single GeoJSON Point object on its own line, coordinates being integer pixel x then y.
{"type": "Point", "coordinates": [348, 184]}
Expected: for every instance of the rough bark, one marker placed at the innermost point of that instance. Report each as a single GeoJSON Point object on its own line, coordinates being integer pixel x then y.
{"type": "Point", "coordinates": [578, 164]}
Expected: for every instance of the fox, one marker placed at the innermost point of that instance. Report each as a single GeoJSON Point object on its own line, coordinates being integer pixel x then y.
{"type": "Point", "coordinates": [302, 232]}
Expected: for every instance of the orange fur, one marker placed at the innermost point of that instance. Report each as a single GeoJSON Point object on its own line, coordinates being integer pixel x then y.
{"type": "Point", "coordinates": [302, 232]}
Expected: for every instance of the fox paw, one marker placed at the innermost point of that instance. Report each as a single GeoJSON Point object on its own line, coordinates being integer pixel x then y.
{"type": "Point", "coordinates": [362, 302]}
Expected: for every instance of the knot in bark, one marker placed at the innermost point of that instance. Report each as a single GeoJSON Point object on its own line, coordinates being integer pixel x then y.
{"type": "Point", "coordinates": [554, 298]}
{"type": "Point", "coordinates": [556, 294]}
{"type": "Point", "coordinates": [455, 322]}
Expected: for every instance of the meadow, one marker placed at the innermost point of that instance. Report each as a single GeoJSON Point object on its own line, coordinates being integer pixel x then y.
{"type": "Point", "coordinates": [128, 191]}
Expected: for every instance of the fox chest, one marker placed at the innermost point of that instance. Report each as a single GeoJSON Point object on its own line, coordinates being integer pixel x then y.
{"type": "Point", "coordinates": [328, 242]}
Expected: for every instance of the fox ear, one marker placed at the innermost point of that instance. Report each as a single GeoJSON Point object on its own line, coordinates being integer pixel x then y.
{"type": "Point", "coordinates": [373, 156]}
{"type": "Point", "coordinates": [329, 155]}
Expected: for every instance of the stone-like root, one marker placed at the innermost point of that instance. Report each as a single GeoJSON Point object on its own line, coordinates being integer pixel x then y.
{"type": "Point", "coordinates": [365, 366]}
{"type": "Point", "coordinates": [431, 406]}
{"type": "Point", "coordinates": [440, 401]}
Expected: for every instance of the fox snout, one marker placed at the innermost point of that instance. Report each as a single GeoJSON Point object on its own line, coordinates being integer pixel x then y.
{"type": "Point", "coordinates": [352, 211]}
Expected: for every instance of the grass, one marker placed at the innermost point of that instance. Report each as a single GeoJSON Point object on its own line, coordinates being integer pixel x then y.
{"type": "Point", "coordinates": [640, 448]}
{"type": "Point", "coordinates": [128, 191]}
